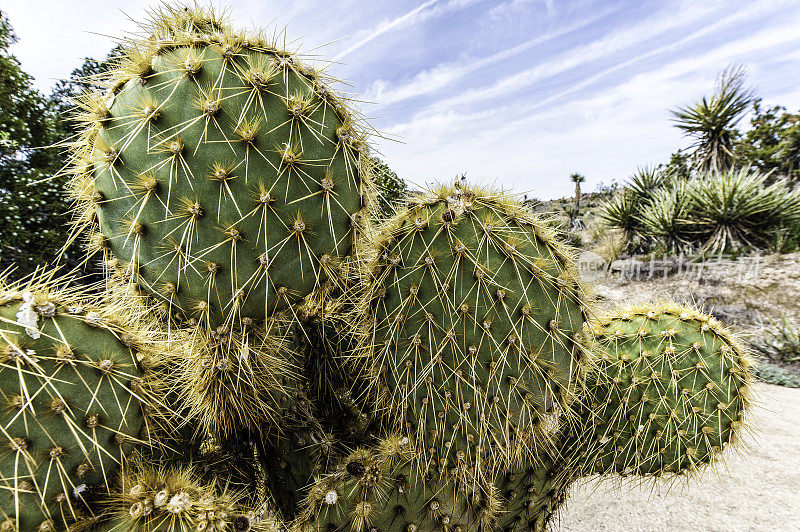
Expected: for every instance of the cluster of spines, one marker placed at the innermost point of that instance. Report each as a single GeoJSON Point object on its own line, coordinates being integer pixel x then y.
{"type": "Point", "coordinates": [81, 381]}
{"type": "Point", "coordinates": [669, 391]}
{"type": "Point", "coordinates": [475, 315]}
{"type": "Point", "coordinates": [234, 380]}
{"type": "Point", "coordinates": [201, 39]}
{"type": "Point", "coordinates": [383, 490]}
{"type": "Point", "coordinates": [177, 499]}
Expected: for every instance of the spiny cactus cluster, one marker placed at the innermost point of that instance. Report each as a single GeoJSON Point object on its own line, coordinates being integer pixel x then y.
{"type": "Point", "coordinates": [266, 352]}
{"type": "Point", "coordinates": [225, 178]}
{"type": "Point", "coordinates": [670, 390]}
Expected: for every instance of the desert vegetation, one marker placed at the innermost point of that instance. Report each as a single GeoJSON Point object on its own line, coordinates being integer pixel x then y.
{"type": "Point", "coordinates": [251, 323]}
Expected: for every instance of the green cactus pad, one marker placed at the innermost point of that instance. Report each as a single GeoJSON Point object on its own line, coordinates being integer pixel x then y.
{"type": "Point", "coordinates": [669, 391]}
{"type": "Point", "coordinates": [306, 451]}
{"type": "Point", "coordinates": [476, 337]}
{"type": "Point", "coordinates": [532, 495]}
{"type": "Point", "coordinates": [76, 393]}
{"type": "Point", "coordinates": [382, 490]}
{"type": "Point", "coordinates": [222, 175]}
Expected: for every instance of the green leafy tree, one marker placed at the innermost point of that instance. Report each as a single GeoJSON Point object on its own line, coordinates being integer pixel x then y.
{"type": "Point", "coordinates": [773, 142]}
{"type": "Point", "coordinates": [29, 204]}
{"type": "Point", "coordinates": [711, 122]}
{"type": "Point", "coordinates": [391, 189]}
{"type": "Point", "coordinates": [33, 213]}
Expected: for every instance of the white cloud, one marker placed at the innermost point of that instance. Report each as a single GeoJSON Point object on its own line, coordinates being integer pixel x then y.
{"type": "Point", "coordinates": [422, 12]}
{"type": "Point", "coordinates": [661, 22]}
{"type": "Point", "coordinates": [443, 74]}
{"type": "Point", "coordinates": [605, 135]}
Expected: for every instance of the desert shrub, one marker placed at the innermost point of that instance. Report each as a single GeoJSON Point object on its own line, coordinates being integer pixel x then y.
{"type": "Point", "coordinates": [666, 217]}
{"type": "Point", "coordinates": [781, 343]}
{"type": "Point", "coordinates": [773, 374]}
{"type": "Point", "coordinates": [737, 209]}
{"type": "Point", "coordinates": [611, 245]}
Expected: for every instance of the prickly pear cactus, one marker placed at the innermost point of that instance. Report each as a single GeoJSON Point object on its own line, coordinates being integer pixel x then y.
{"type": "Point", "coordinates": [74, 379]}
{"type": "Point", "coordinates": [382, 489]}
{"type": "Point", "coordinates": [476, 330]}
{"type": "Point", "coordinates": [218, 172]}
{"type": "Point", "coordinates": [670, 390]}
{"type": "Point", "coordinates": [176, 499]}
{"type": "Point", "coordinates": [306, 451]}
{"type": "Point", "coordinates": [532, 495]}
{"type": "Point", "coordinates": [234, 380]}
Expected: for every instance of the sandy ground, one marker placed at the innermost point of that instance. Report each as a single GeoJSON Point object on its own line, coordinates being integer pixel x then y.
{"type": "Point", "coordinates": [757, 488]}
{"type": "Point", "coordinates": [747, 293]}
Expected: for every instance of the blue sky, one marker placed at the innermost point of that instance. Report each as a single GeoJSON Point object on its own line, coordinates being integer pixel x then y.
{"type": "Point", "coordinates": [516, 93]}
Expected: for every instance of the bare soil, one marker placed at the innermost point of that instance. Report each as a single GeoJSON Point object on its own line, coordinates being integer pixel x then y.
{"type": "Point", "coordinates": [747, 293]}
{"type": "Point", "coordinates": [755, 487]}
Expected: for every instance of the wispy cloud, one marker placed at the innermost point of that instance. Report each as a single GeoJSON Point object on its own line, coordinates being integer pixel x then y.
{"type": "Point", "coordinates": [605, 134]}
{"type": "Point", "coordinates": [605, 47]}
{"type": "Point", "coordinates": [581, 55]}
{"type": "Point", "coordinates": [521, 91]}
{"type": "Point", "coordinates": [416, 15]}
{"type": "Point", "coordinates": [442, 75]}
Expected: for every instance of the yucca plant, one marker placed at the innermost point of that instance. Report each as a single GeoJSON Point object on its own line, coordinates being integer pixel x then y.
{"type": "Point", "coordinates": [666, 217]}
{"type": "Point", "coordinates": [624, 210]}
{"type": "Point", "coordinates": [621, 212]}
{"type": "Point", "coordinates": [738, 210]}
{"type": "Point", "coordinates": [711, 121]}
{"type": "Point", "coordinates": [646, 182]}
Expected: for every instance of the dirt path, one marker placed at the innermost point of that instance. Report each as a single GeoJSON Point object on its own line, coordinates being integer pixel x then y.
{"type": "Point", "coordinates": [758, 489]}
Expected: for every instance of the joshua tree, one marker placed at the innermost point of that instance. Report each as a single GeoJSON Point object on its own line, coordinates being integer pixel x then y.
{"type": "Point", "coordinates": [711, 121]}
{"type": "Point", "coordinates": [577, 179]}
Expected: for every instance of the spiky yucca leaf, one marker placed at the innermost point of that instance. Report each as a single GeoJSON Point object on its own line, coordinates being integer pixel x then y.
{"type": "Point", "coordinates": [711, 121]}
{"type": "Point", "coordinates": [666, 217]}
{"type": "Point", "coordinates": [645, 182]}
{"type": "Point", "coordinates": [218, 172]}
{"type": "Point", "coordinates": [82, 389]}
{"type": "Point", "coordinates": [738, 209]}
{"type": "Point", "coordinates": [622, 212]}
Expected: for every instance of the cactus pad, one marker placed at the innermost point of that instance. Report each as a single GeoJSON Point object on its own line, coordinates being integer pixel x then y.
{"type": "Point", "coordinates": [73, 382]}
{"type": "Point", "coordinates": [221, 174]}
{"type": "Point", "coordinates": [670, 390]}
{"type": "Point", "coordinates": [381, 490]}
{"type": "Point", "coordinates": [176, 499]}
{"type": "Point", "coordinates": [533, 494]}
{"type": "Point", "coordinates": [476, 338]}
